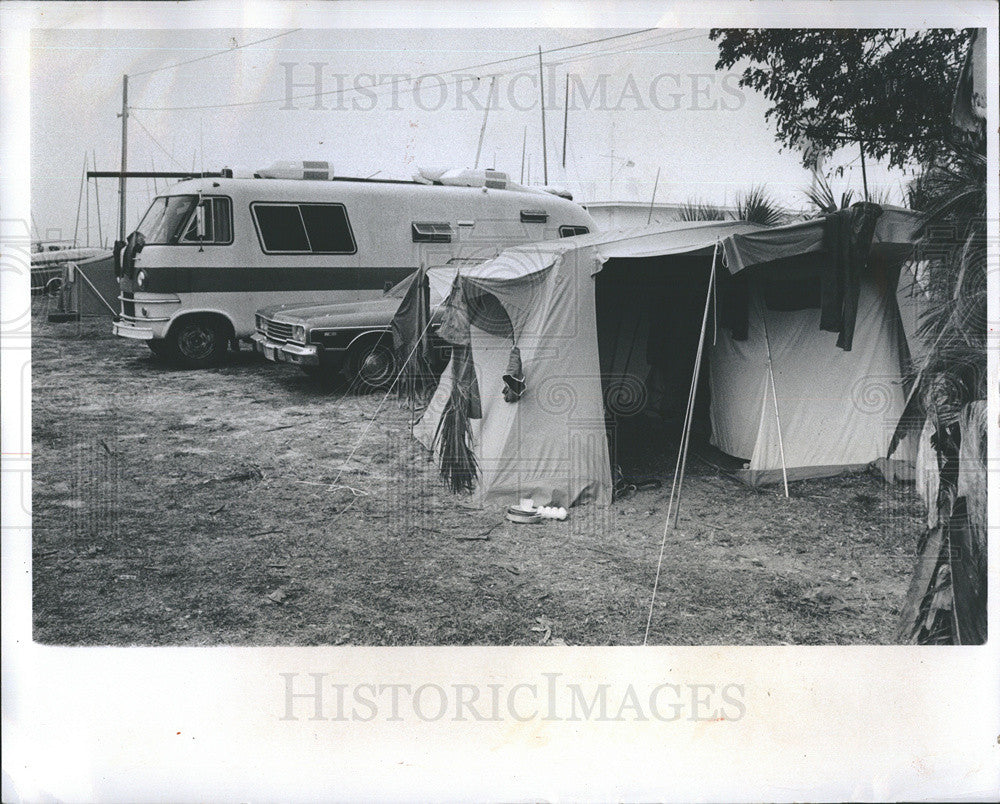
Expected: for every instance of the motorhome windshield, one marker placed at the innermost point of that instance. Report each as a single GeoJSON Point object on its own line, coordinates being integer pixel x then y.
{"type": "Point", "coordinates": [161, 225]}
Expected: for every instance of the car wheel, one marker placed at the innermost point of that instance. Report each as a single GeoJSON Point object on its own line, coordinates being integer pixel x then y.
{"type": "Point", "coordinates": [372, 365]}
{"type": "Point", "coordinates": [197, 342]}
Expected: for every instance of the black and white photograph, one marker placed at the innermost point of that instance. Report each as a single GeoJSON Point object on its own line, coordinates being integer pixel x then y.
{"type": "Point", "coordinates": [345, 333]}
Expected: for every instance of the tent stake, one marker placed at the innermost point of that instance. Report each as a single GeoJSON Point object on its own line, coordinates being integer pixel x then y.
{"type": "Point", "coordinates": [774, 396]}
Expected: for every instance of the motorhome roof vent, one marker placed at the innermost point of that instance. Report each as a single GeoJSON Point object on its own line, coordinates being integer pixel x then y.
{"type": "Point", "coordinates": [297, 170]}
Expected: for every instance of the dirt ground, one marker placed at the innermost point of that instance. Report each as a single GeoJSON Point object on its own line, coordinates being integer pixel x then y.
{"type": "Point", "coordinates": [219, 507]}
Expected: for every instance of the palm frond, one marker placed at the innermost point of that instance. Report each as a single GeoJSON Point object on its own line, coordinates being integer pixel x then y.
{"type": "Point", "coordinates": [821, 196]}
{"type": "Point", "coordinates": [757, 206]}
{"type": "Point", "coordinates": [700, 211]}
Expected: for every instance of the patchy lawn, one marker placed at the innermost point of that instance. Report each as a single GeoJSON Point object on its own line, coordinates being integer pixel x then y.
{"type": "Point", "coordinates": [215, 507]}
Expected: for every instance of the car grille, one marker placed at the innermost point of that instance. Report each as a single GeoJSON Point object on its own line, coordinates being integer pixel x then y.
{"type": "Point", "coordinates": [128, 305]}
{"type": "Point", "coordinates": [277, 330]}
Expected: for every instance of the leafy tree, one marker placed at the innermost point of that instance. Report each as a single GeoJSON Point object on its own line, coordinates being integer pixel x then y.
{"type": "Point", "coordinates": [891, 89]}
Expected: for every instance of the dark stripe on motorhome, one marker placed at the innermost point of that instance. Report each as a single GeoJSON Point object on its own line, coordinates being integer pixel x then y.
{"type": "Point", "coordinates": [205, 279]}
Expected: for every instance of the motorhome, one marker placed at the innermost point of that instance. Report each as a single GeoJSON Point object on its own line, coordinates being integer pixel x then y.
{"type": "Point", "coordinates": [211, 251]}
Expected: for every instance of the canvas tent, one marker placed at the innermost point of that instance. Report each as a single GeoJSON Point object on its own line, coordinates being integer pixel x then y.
{"type": "Point", "coordinates": [606, 326]}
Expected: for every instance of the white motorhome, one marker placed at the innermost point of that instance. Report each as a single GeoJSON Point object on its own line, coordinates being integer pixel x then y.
{"type": "Point", "coordinates": [210, 252]}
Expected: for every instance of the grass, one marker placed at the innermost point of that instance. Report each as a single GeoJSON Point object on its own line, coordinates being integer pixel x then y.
{"type": "Point", "coordinates": [195, 508]}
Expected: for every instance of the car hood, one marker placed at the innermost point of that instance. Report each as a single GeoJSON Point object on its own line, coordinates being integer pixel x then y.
{"type": "Point", "coordinates": [375, 312]}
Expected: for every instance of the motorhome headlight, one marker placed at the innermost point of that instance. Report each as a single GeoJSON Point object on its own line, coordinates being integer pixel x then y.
{"type": "Point", "coordinates": [140, 279]}
{"type": "Point", "coordinates": [299, 333]}
{"type": "Point", "coordinates": [259, 322]}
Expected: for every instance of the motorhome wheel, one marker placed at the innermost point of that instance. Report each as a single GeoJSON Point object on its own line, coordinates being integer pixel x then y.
{"type": "Point", "coordinates": [197, 342]}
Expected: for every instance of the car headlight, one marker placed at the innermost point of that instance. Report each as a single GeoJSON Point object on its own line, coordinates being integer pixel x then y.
{"type": "Point", "coordinates": [299, 333]}
{"type": "Point", "coordinates": [140, 279]}
{"type": "Point", "coordinates": [258, 322]}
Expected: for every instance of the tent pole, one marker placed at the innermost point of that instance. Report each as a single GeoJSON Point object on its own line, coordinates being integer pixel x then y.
{"type": "Point", "coordinates": [774, 396]}
{"type": "Point", "coordinates": [686, 436]}
{"type": "Point", "coordinates": [682, 452]}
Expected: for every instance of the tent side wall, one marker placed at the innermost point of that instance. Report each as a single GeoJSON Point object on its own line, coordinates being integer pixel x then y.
{"type": "Point", "coordinates": [551, 445]}
{"type": "Point", "coordinates": [837, 409]}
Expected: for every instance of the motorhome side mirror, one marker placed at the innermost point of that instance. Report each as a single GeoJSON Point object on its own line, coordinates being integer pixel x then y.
{"type": "Point", "coordinates": [119, 247]}
{"type": "Point", "coordinates": [199, 214]}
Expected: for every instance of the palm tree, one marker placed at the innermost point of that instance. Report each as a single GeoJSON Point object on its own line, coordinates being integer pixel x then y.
{"type": "Point", "coordinates": [949, 605]}
{"type": "Point", "coordinates": [821, 196]}
{"type": "Point", "coordinates": [700, 211]}
{"type": "Point", "coordinates": [757, 206]}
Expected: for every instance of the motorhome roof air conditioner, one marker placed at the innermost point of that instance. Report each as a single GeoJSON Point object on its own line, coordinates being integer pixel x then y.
{"type": "Point", "coordinates": [463, 177]}
{"type": "Point", "coordinates": [297, 170]}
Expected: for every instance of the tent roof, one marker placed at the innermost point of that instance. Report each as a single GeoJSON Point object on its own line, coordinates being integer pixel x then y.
{"type": "Point", "coordinates": [683, 237]}
{"type": "Point", "coordinates": [895, 233]}
{"type": "Point", "coordinates": [745, 245]}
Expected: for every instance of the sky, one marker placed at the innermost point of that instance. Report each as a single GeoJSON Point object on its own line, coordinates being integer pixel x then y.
{"type": "Point", "coordinates": [639, 104]}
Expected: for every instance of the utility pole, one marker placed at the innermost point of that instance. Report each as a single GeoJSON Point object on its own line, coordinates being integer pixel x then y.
{"type": "Point", "coordinates": [79, 199]}
{"type": "Point", "coordinates": [652, 200]}
{"type": "Point", "coordinates": [541, 87]}
{"type": "Point", "coordinates": [97, 200]}
{"type": "Point", "coordinates": [121, 178]}
{"type": "Point", "coordinates": [565, 120]}
{"type": "Point", "coordinates": [864, 171]}
{"type": "Point", "coordinates": [524, 146]}
{"type": "Point", "coordinates": [486, 114]}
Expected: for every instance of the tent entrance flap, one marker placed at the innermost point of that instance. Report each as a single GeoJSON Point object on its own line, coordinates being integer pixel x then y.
{"type": "Point", "coordinates": [649, 315]}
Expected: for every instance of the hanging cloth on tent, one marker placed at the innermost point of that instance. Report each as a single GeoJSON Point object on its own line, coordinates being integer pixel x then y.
{"type": "Point", "coordinates": [410, 338]}
{"type": "Point", "coordinates": [469, 305]}
{"type": "Point", "coordinates": [847, 241]}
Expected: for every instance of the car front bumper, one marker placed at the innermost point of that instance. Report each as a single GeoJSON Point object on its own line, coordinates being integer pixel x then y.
{"type": "Point", "coordinates": [278, 352]}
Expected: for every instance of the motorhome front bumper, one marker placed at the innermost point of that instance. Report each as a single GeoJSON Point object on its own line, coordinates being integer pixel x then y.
{"type": "Point", "coordinates": [129, 329]}
{"type": "Point", "coordinates": [279, 352]}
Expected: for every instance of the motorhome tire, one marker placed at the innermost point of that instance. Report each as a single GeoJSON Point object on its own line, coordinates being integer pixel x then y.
{"type": "Point", "coordinates": [371, 364]}
{"type": "Point", "coordinates": [197, 342]}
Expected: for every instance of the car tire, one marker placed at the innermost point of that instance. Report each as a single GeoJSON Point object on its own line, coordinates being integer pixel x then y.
{"type": "Point", "coordinates": [371, 365]}
{"type": "Point", "coordinates": [197, 342]}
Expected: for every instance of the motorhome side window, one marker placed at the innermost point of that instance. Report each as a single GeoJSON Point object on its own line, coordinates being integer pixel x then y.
{"type": "Point", "coordinates": [431, 232]}
{"type": "Point", "coordinates": [572, 231]}
{"type": "Point", "coordinates": [303, 228]}
{"type": "Point", "coordinates": [218, 215]}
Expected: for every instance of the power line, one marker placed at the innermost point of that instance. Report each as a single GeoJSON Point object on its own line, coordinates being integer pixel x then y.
{"type": "Point", "coordinates": [625, 51]}
{"type": "Point", "coordinates": [341, 91]}
{"type": "Point", "coordinates": [210, 55]}
{"type": "Point", "coordinates": [156, 141]}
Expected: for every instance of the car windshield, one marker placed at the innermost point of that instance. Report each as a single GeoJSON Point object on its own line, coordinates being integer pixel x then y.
{"type": "Point", "coordinates": [162, 223]}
